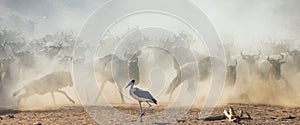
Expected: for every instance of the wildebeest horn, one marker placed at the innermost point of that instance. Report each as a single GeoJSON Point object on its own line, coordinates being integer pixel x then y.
{"type": "Point", "coordinates": [11, 58]}
{"type": "Point", "coordinates": [268, 58]}
{"type": "Point", "coordinates": [288, 50]}
{"type": "Point", "coordinates": [259, 53]}
{"type": "Point", "coordinates": [282, 57]}
{"type": "Point", "coordinates": [242, 54]}
{"type": "Point", "coordinates": [44, 40]}
{"type": "Point", "coordinates": [24, 40]}
{"type": "Point", "coordinates": [167, 40]}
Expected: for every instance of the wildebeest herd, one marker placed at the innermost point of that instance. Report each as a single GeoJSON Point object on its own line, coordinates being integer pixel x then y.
{"type": "Point", "coordinates": [20, 57]}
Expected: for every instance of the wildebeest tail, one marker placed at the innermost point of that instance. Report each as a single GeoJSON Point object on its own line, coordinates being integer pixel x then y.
{"type": "Point", "coordinates": [17, 92]}
{"type": "Point", "coordinates": [170, 89]}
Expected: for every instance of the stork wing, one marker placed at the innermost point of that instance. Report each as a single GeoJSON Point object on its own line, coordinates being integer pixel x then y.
{"type": "Point", "coordinates": [142, 93]}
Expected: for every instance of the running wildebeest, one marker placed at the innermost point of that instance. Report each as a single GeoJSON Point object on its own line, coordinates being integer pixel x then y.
{"type": "Point", "coordinates": [49, 83]}
{"type": "Point", "coordinates": [110, 66]}
{"type": "Point", "coordinates": [191, 72]}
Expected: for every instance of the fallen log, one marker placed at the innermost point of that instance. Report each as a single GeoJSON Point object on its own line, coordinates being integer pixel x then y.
{"type": "Point", "coordinates": [232, 117]}
{"type": "Point", "coordinates": [289, 117]}
{"type": "Point", "coordinates": [212, 118]}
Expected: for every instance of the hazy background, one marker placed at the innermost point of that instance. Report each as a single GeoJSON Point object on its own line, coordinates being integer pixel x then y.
{"type": "Point", "coordinates": [236, 20]}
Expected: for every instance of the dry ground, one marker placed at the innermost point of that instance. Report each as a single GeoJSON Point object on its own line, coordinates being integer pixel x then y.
{"type": "Point", "coordinates": [261, 114]}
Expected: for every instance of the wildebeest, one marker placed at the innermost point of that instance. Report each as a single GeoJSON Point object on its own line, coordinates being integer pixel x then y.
{"type": "Point", "coordinates": [231, 74]}
{"type": "Point", "coordinates": [279, 47]}
{"type": "Point", "coordinates": [5, 69]}
{"type": "Point", "coordinates": [25, 60]}
{"type": "Point", "coordinates": [191, 72]}
{"type": "Point", "coordinates": [112, 69]}
{"type": "Point", "coordinates": [4, 49]}
{"type": "Point", "coordinates": [251, 61]}
{"type": "Point", "coordinates": [49, 83]}
{"type": "Point", "coordinates": [52, 49]}
{"type": "Point", "coordinates": [295, 54]}
{"type": "Point", "coordinates": [275, 71]}
{"type": "Point", "coordinates": [254, 66]}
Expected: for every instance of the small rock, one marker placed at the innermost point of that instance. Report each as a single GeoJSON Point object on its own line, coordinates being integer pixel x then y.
{"type": "Point", "coordinates": [180, 120]}
{"type": "Point", "coordinates": [273, 118]}
{"type": "Point", "coordinates": [11, 116]}
{"type": "Point", "coordinates": [290, 117]}
{"type": "Point", "coordinates": [37, 123]}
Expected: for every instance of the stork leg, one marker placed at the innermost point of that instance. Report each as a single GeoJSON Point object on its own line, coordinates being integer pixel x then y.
{"type": "Point", "coordinates": [53, 98]}
{"type": "Point", "coordinates": [149, 106]}
{"type": "Point", "coordinates": [141, 111]}
{"type": "Point", "coordinates": [62, 92]}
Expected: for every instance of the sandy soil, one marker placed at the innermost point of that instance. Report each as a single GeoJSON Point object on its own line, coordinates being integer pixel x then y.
{"type": "Point", "coordinates": [261, 114]}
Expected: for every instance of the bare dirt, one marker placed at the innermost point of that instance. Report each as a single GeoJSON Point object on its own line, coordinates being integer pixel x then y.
{"type": "Point", "coordinates": [261, 114]}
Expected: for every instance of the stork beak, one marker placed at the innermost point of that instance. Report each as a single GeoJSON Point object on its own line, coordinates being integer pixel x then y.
{"type": "Point", "coordinates": [128, 85]}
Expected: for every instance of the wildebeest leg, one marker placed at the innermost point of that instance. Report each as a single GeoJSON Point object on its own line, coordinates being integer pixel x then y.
{"type": "Point", "coordinates": [191, 86]}
{"type": "Point", "coordinates": [286, 83]}
{"type": "Point", "coordinates": [26, 95]}
{"type": "Point", "coordinates": [290, 90]}
{"type": "Point", "coordinates": [172, 87]}
{"type": "Point", "coordinates": [121, 95]}
{"type": "Point", "coordinates": [170, 96]}
{"type": "Point", "coordinates": [53, 98]}
{"type": "Point", "coordinates": [100, 92]}
{"type": "Point", "coordinates": [3, 75]}
{"type": "Point", "coordinates": [0, 77]}
{"type": "Point", "coordinates": [62, 92]}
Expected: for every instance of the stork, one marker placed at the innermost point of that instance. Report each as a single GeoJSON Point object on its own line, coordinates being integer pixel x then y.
{"type": "Point", "coordinates": [141, 96]}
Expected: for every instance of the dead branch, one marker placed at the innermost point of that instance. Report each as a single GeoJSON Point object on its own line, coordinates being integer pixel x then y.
{"type": "Point", "coordinates": [213, 118]}
{"type": "Point", "coordinates": [232, 117]}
